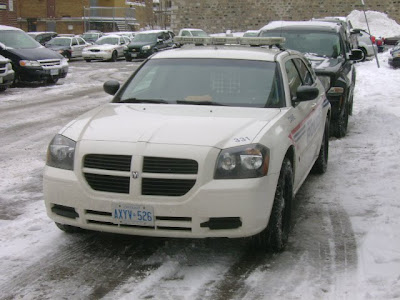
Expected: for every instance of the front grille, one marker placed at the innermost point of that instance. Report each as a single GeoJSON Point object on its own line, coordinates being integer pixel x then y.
{"type": "Point", "coordinates": [48, 63]}
{"type": "Point", "coordinates": [108, 183]}
{"type": "Point", "coordinates": [108, 162]}
{"type": "Point", "coordinates": [166, 187]}
{"type": "Point", "coordinates": [94, 50]}
{"type": "Point", "coordinates": [169, 165]}
{"type": "Point", "coordinates": [3, 68]}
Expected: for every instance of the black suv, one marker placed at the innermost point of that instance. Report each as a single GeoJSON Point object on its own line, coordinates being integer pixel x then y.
{"type": "Point", "coordinates": [146, 43]}
{"type": "Point", "coordinates": [328, 48]}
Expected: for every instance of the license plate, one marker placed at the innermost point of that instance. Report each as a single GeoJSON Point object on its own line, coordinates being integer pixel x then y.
{"type": "Point", "coordinates": [1, 79]}
{"type": "Point", "coordinates": [54, 72]}
{"type": "Point", "coordinates": [133, 214]}
{"type": "Point", "coordinates": [134, 54]}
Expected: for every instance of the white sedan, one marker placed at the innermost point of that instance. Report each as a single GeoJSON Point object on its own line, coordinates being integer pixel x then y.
{"type": "Point", "coordinates": [110, 47]}
{"type": "Point", "coordinates": [203, 142]}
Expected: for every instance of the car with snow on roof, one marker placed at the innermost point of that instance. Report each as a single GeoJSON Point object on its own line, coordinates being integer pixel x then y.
{"type": "Point", "coordinates": [218, 150]}
{"type": "Point", "coordinates": [6, 73]}
{"type": "Point", "coordinates": [328, 47]}
{"type": "Point", "coordinates": [394, 58]}
{"type": "Point", "coordinates": [108, 47]}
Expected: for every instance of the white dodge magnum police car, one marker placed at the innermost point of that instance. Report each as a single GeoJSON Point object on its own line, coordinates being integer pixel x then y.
{"type": "Point", "coordinates": [200, 142]}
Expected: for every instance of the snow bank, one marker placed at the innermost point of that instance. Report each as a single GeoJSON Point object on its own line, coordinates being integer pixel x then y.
{"type": "Point", "coordinates": [379, 23]}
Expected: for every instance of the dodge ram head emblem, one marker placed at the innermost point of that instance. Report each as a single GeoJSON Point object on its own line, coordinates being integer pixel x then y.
{"type": "Point", "coordinates": [135, 175]}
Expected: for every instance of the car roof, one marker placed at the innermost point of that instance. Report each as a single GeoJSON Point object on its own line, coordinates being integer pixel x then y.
{"type": "Point", "coordinates": [221, 52]}
{"type": "Point", "coordinates": [4, 27]}
{"type": "Point", "coordinates": [152, 31]}
{"type": "Point", "coordinates": [316, 25]}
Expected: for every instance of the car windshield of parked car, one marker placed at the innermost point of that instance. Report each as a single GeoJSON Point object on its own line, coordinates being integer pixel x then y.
{"type": "Point", "coordinates": [18, 40]}
{"type": "Point", "coordinates": [308, 41]}
{"type": "Point", "coordinates": [90, 36]}
{"type": "Point", "coordinates": [59, 42]}
{"type": "Point", "coordinates": [146, 37]}
{"type": "Point", "coordinates": [225, 82]}
{"type": "Point", "coordinates": [108, 41]}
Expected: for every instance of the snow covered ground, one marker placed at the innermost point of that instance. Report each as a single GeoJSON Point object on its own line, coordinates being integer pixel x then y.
{"type": "Point", "coordinates": [345, 242]}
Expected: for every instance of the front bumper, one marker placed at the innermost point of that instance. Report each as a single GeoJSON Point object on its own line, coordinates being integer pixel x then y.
{"type": "Point", "coordinates": [102, 55]}
{"type": "Point", "coordinates": [394, 62]}
{"type": "Point", "coordinates": [211, 208]}
{"type": "Point", "coordinates": [138, 53]}
{"type": "Point", "coordinates": [7, 79]}
{"type": "Point", "coordinates": [40, 74]}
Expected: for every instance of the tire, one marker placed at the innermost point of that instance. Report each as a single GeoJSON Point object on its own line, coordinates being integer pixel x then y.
{"type": "Point", "coordinates": [364, 54]}
{"type": "Point", "coordinates": [340, 125]}
{"type": "Point", "coordinates": [68, 228]}
{"type": "Point", "coordinates": [275, 236]}
{"type": "Point", "coordinates": [321, 163]}
{"type": "Point", "coordinates": [114, 56]}
{"type": "Point", "coordinates": [52, 80]}
{"type": "Point", "coordinates": [88, 60]}
{"type": "Point", "coordinates": [3, 88]}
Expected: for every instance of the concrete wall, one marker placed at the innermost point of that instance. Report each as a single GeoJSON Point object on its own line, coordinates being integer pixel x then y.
{"type": "Point", "coordinates": [240, 15]}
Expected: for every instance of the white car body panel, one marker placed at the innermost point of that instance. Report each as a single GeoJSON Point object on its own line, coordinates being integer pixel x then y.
{"type": "Point", "coordinates": [185, 132]}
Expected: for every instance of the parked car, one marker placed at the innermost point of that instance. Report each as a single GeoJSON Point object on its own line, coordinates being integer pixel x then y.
{"type": "Point", "coordinates": [392, 40]}
{"type": "Point", "coordinates": [192, 32]}
{"type": "Point", "coordinates": [108, 47]}
{"type": "Point", "coordinates": [217, 153]}
{"type": "Point", "coordinates": [146, 43]}
{"type": "Point", "coordinates": [365, 43]}
{"type": "Point", "coordinates": [394, 58]}
{"type": "Point", "coordinates": [42, 37]}
{"type": "Point", "coordinates": [6, 73]}
{"type": "Point", "coordinates": [347, 25]}
{"type": "Point", "coordinates": [251, 33]}
{"type": "Point", "coordinates": [68, 46]}
{"type": "Point", "coordinates": [30, 60]}
{"type": "Point", "coordinates": [92, 36]}
{"type": "Point", "coordinates": [328, 48]}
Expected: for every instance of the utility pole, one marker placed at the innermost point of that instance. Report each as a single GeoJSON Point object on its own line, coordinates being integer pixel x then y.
{"type": "Point", "coordinates": [369, 31]}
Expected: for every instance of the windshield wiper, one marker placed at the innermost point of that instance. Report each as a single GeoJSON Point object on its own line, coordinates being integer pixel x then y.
{"type": "Point", "coordinates": [136, 100]}
{"type": "Point", "coordinates": [199, 102]}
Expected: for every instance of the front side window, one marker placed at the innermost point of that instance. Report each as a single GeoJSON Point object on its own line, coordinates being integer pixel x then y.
{"type": "Point", "coordinates": [305, 73]}
{"type": "Point", "coordinates": [320, 43]}
{"type": "Point", "coordinates": [227, 82]}
{"type": "Point", "coordinates": [294, 79]}
{"type": "Point", "coordinates": [108, 41]}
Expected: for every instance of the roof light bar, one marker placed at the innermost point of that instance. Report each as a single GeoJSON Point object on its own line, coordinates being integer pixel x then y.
{"type": "Point", "coordinates": [252, 41]}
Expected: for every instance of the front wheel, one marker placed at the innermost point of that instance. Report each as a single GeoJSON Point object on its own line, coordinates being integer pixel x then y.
{"type": "Point", "coordinates": [340, 125]}
{"type": "Point", "coordinates": [276, 235]}
{"type": "Point", "coordinates": [114, 56]}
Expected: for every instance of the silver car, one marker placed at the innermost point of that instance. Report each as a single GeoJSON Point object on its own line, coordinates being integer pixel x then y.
{"type": "Point", "coordinates": [365, 44]}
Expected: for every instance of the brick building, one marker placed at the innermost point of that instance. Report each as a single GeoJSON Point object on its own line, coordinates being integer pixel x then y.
{"type": "Point", "coordinates": [8, 12]}
{"type": "Point", "coordinates": [240, 15]}
{"type": "Point", "coordinates": [77, 16]}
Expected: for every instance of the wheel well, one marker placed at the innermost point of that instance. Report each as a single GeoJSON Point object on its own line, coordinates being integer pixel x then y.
{"type": "Point", "coordinates": [290, 155]}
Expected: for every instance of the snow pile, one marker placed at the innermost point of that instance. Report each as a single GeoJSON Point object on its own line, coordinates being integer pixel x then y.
{"type": "Point", "coordinates": [379, 23]}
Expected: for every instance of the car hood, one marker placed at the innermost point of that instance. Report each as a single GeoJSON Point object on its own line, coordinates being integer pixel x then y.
{"type": "Point", "coordinates": [101, 47]}
{"type": "Point", "coordinates": [325, 65]}
{"type": "Point", "coordinates": [34, 53]}
{"type": "Point", "coordinates": [171, 124]}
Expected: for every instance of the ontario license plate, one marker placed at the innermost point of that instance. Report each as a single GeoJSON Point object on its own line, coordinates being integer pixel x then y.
{"type": "Point", "coordinates": [1, 79]}
{"type": "Point", "coordinates": [54, 72]}
{"type": "Point", "coordinates": [133, 54]}
{"type": "Point", "coordinates": [133, 214]}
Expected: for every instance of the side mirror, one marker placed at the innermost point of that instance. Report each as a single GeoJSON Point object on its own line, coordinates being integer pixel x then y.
{"type": "Point", "coordinates": [356, 54]}
{"type": "Point", "coordinates": [111, 87]}
{"type": "Point", "coordinates": [306, 93]}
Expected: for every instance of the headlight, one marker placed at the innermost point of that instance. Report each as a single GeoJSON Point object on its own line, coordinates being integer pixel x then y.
{"type": "Point", "coordinates": [60, 153]}
{"type": "Point", "coordinates": [249, 161]}
{"type": "Point", "coordinates": [147, 47]}
{"type": "Point", "coordinates": [29, 63]}
{"type": "Point", "coordinates": [64, 62]}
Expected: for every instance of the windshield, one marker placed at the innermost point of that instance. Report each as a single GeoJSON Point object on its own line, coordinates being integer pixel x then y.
{"type": "Point", "coordinates": [108, 41]}
{"type": "Point", "coordinates": [17, 39]}
{"type": "Point", "coordinates": [225, 82]}
{"type": "Point", "coordinates": [146, 37]}
{"type": "Point", "coordinates": [59, 42]}
{"type": "Point", "coordinates": [90, 36]}
{"type": "Point", "coordinates": [199, 33]}
{"type": "Point", "coordinates": [308, 41]}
